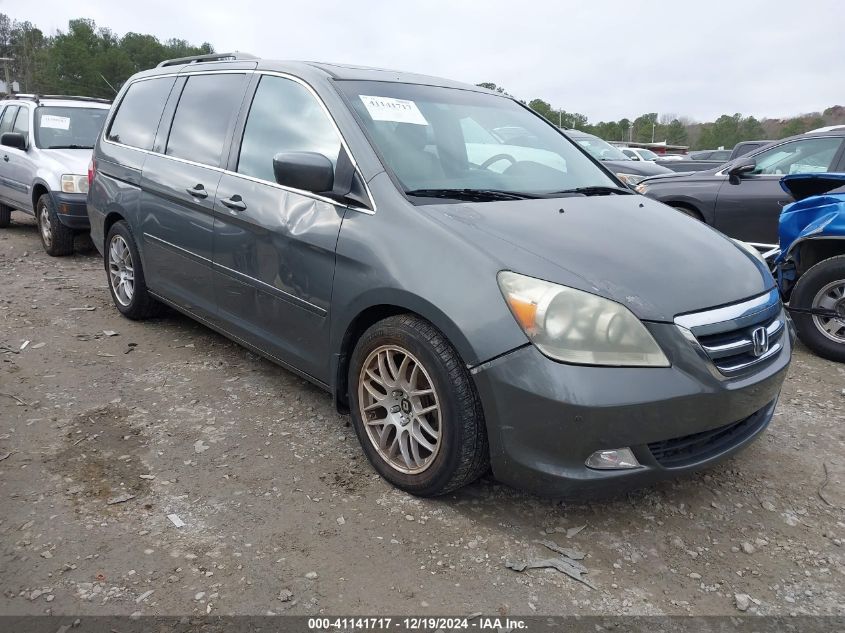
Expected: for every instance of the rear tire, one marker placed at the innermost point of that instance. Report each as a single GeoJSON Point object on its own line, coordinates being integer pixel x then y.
{"type": "Point", "coordinates": [417, 416]}
{"type": "Point", "coordinates": [5, 216]}
{"type": "Point", "coordinates": [56, 238]}
{"type": "Point", "coordinates": [125, 275]}
{"type": "Point", "coordinates": [822, 286]}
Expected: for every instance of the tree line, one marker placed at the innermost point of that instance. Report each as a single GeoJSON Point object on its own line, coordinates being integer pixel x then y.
{"type": "Point", "coordinates": [84, 60]}
{"type": "Point", "coordinates": [726, 131]}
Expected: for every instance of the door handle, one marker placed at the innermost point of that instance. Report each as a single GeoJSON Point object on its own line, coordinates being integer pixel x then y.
{"type": "Point", "coordinates": [235, 203]}
{"type": "Point", "coordinates": [198, 191]}
{"type": "Point", "coordinates": [6, 158]}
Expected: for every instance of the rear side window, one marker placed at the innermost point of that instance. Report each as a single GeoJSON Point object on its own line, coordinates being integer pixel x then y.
{"type": "Point", "coordinates": [139, 113]}
{"type": "Point", "coordinates": [284, 117]}
{"type": "Point", "coordinates": [206, 109]}
{"type": "Point", "coordinates": [8, 118]}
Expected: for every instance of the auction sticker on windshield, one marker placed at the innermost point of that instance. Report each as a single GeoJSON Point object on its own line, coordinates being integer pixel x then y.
{"type": "Point", "coordinates": [56, 122]}
{"type": "Point", "coordinates": [395, 110]}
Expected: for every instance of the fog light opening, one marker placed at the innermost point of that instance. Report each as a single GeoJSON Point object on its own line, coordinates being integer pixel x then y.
{"type": "Point", "coordinates": [617, 459]}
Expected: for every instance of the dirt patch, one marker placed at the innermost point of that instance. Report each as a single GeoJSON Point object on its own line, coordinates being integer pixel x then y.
{"type": "Point", "coordinates": [101, 459]}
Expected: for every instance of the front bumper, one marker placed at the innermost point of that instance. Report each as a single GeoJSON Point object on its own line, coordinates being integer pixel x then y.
{"type": "Point", "coordinates": [545, 418]}
{"type": "Point", "coordinates": [71, 209]}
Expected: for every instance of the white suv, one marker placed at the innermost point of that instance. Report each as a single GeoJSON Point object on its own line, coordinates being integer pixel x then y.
{"type": "Point", "coordinates": [45, 148]}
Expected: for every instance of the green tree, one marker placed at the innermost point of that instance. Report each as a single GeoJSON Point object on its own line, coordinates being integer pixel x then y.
{"type": "Point", "coordinates": [676, 133]}
{"type": "Point", "coordinates": [751, 129]}
{"type": "Point", "coordinates": [645, 127]}
{"type": "Point", "coordinates": [544, 109]}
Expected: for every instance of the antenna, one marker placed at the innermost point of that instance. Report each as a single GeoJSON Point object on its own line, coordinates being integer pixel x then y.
{"type": "Point", "coordinates": [107, 83]}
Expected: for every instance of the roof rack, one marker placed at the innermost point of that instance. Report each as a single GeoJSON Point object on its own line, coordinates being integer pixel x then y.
{"type": "Point", "coordinates": [213, 57]}
{"type": "Point", "coordinates": [37, 97]}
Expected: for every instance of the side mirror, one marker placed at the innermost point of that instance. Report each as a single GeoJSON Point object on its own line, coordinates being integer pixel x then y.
{"type": "Point", "coordinates": [740, 168]}
{"type": "Point", "coordinates": [14, 139]}
{"type": "Point", "coordinates": [308, 171]}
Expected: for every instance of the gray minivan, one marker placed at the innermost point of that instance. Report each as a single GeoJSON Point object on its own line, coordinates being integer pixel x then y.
{"type": "Point", "coordinates": [467, 282]}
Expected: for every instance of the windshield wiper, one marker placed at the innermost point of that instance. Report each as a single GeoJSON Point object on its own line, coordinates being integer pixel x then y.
{"type": "Point", "coordinates": [477, 195]}
{"type": "Point", "coordinates": [597, 190]}
{"type": "Point", "coordinates": [70, 147]}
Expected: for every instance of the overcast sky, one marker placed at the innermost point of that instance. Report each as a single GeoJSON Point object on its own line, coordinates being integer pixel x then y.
{"type": "Point", "coordinates": [604, 58]}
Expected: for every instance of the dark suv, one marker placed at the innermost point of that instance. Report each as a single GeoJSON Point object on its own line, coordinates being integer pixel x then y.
{"type": "Point", "coordinates": [465, 280]}
{"type": "Point", "coordinates": [743, 198]}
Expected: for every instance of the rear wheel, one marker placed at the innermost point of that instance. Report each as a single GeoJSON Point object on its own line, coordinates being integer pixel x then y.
{"type": "Point", "coordinates": [127, 285]}
{"type": "Point", "coordinates": [56, 238]}
{"type": "Point", "coordinates": [5, 216]}
{"type": "Point", "coordinates": [822, 287]}
{"type": "Point", "coordinates": [415, 409]}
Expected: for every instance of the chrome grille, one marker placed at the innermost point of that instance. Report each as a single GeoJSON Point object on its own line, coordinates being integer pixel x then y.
{"type": "Point", "coordinates": [737, 338]}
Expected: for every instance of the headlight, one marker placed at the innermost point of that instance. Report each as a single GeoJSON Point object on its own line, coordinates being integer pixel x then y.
{"type": "Point", "coordinates": [630, 179]}
{"type": "Point", "coordinates": [641, 188]}
{"type": "Point", "coordinates": [750, 249]}
{"type": "Point", "coordinates": [578, 327]}
{"type": "Point", "coordinates": [74, 184]}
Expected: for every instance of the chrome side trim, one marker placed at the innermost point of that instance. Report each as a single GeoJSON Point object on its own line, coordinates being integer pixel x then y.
{"type": "Point", "coordinates": [729, 313]}
{"type": "Point", "coordinates": [269, 289]}
{"type": "Point", "coordinates": [244, 278]}
{"type": "Point", "coordinates": [179, 249]}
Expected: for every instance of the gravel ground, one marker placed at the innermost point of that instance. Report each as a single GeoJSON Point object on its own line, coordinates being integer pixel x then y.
{"type": "Point", "coordinates": [103, 436]}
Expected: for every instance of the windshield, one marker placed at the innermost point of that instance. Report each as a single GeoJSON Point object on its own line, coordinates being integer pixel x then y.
{"type": "Point", "coordinates": [648, 154]}
{"type": "Point", "coordinates": [59, 127]}
{"type": "Point", "coordinates": [601, 150]}
{"type": "Point", "coordinates": [435, 139]}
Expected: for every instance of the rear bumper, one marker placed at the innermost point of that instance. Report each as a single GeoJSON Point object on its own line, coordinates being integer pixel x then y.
{"type": "Point", "coordinates": [71, 209]}
{"type": "Point", "coordinates": [544, 418]}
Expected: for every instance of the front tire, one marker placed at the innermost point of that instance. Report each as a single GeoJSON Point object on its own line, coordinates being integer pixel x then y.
{"type": "Point", "coordinates": [822, 286]}
{"type": "Point", "coordinates": [415, 409]}
{"type": "Point", "coordinates": [5, 216]}
{"type": "Point", "coordinates": [56, 238]}
{"type": "Point", "coordinates": [127, 285]}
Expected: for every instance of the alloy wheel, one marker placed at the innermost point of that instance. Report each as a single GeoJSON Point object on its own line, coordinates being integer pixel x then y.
{"type": "Point", "coordinates": [400, 409]}
{"type": "Point", "coordinates": [121, 270]}
{"type": "Point", "coordinates": [831, 297]}
{"type": "Point", "coordinates": [44, 225]}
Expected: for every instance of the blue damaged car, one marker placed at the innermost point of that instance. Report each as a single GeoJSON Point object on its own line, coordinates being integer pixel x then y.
{"type": "Point", "coordinates": [810, 262]}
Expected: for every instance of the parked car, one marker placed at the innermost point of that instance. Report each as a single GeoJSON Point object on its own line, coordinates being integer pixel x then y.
{"type": "Point", "coordinates": [542, 318]}
{"type": "Point", "coordinates": [46, 147]}
{"type": "Point", "coordinates": [744, 147]}
{"type": "Point", "coordinates": [638, 153]}
{"type": "Point", "coordinates": [711, 154]}
{"type": "Point", "coordinates": [708, 159]}
{"type": "Point", "coordinates": [810, 261]}
{"type": "Point", "coordinates": [743, 198]}
{"type": "Point", "coordinates": [626, 169]}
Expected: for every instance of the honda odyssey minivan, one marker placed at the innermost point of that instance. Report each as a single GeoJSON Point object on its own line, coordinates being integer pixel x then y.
{"type": "Point", "coordinates": [472, 298]}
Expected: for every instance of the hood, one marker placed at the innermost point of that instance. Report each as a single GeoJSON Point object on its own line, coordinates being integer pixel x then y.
{"type": "Point", "coordinates": [66, 161]}
{"type": "Point", "coordinates": [628, 248]}
{"type": "Point", "coordinates": [638, 167]}
{"type": "Point", "coordinates": [801, 186]}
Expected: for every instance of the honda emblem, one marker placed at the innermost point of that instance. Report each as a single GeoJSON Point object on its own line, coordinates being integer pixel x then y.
{"type": "Point", "coordinates": [760, 341]}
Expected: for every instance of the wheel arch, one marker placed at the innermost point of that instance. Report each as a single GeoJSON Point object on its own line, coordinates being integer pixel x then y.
{"type": "Point", "coordinates": [39, 188]}
{"type": "Point", "coordinates": [815, 250]}
{"type": "Point", "coordinates": [686, 204]}
{"type": "Point", "coordinates": [368, 313]}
